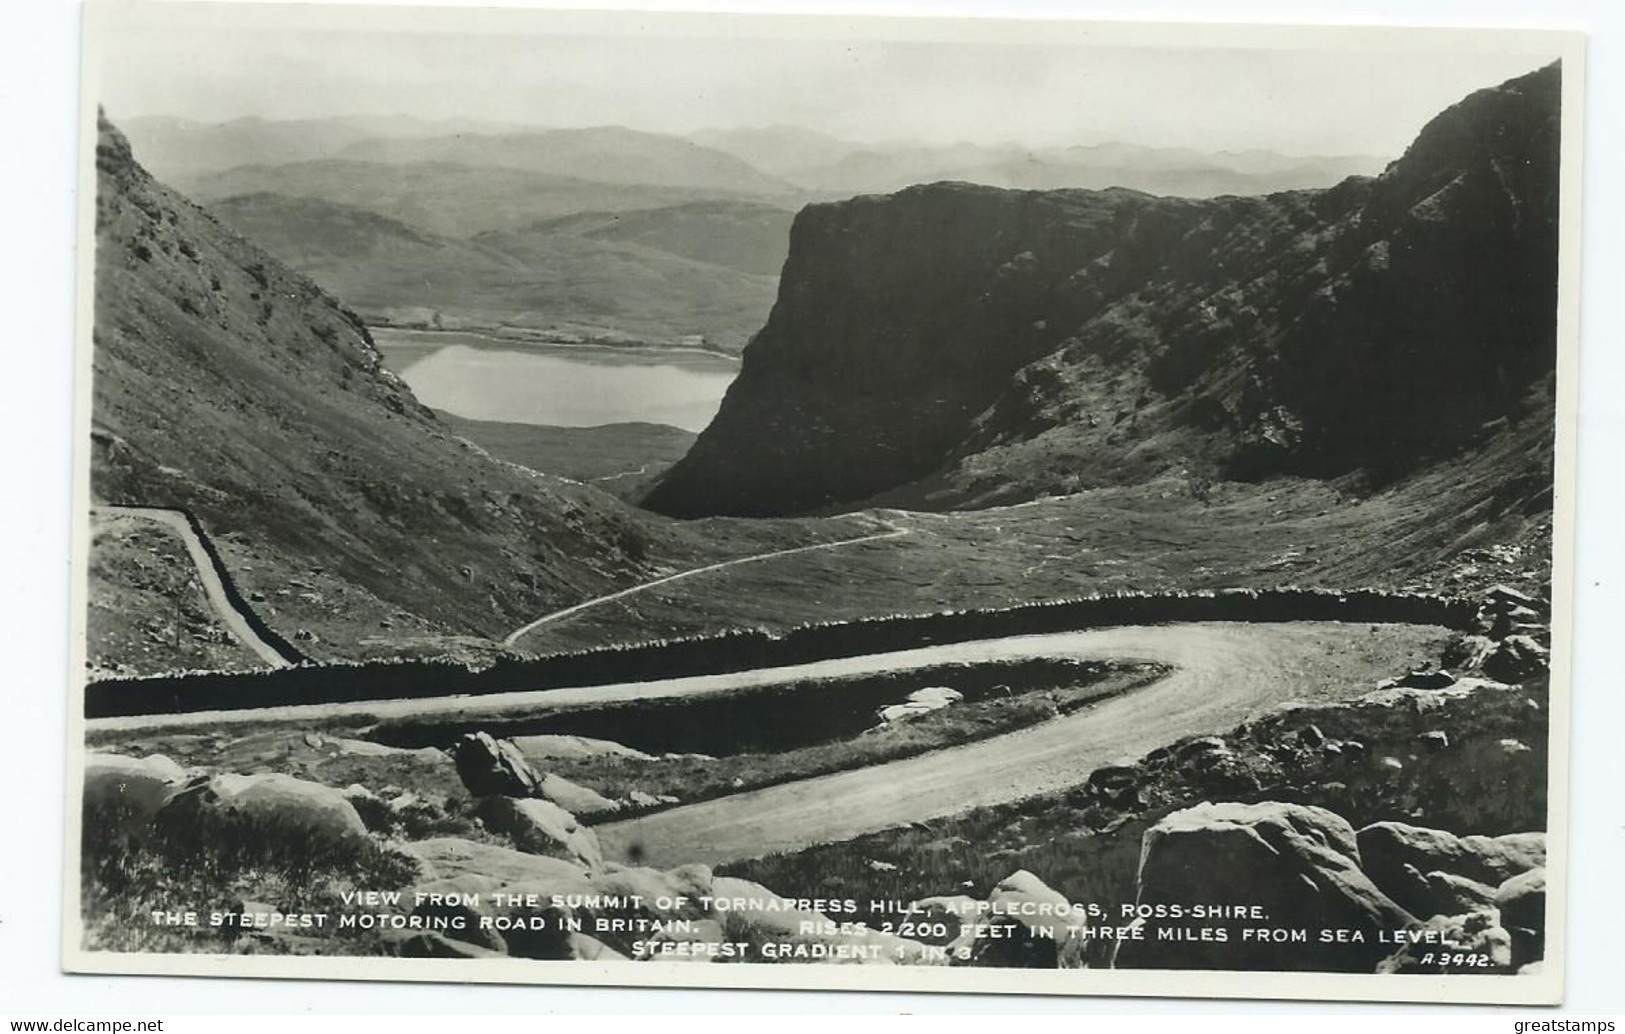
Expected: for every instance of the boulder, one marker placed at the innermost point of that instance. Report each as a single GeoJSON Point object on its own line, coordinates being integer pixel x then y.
{"type": "Point", "coordinates": [936, 696]}
{"type": "Point", "coordinates": [1475, 933]}
{"type": "Point", "coordinates": [921, 701]}
{"type": "Point", "coordinates": [369, 749]}
{"type": "Point", "coordinates": [1469, 652]}
{"type": "Point", "coordinates": [1118, 784]}
{"type": "Point", "coordinates": [268, 816]}
{"type": "Point", "coordinates": [1398, 857]}
{"type": "Point", "coordinates": [574, 798]}
{"type": "Point", "coordinates": [535, 916]}
{"type": "Point", "coordinates": [1028, 925]}
{"type": "Point", "coordinates": [1517, 658]}
{"type": "Point", "coordinates": [1522, 904]}
{"type": "Point", "coordinates": [541, 827]}
{"type": "Point", "coordinates": [753, 915]}
{"type": "Point", "coordinates": [1426, 678]}
{"type": "Point", "coordinates": [1301, 864]}
{"type": "Point", "coordinates": [903, 712]}
{"type": "Point", "coordinates": [489, 766]}
{"type": "Point", "coordinates": [1500, 597]}
{"type": "Point", "coordinates": [450, 857]}
{"type": "Point", "coordinates": [1449, 894]}
{"type": "Point", "coordinates": [575, 747]}
{"type": "Point", "coordinates": [122, 797]}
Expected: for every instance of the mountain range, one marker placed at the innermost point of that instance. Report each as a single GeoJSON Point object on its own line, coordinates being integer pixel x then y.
{"type": "Point", "coordinates": [717, 202]}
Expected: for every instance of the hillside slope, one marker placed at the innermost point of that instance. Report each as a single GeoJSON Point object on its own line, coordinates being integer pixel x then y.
{"type": "Point", "coordinates": [744, 235]}
{"type": "Point", "coordinates": [229, 386]}
{"type": "Point", "coordinates": [535, 279]}
{"type": "Point", "coordinates": [952, 345]}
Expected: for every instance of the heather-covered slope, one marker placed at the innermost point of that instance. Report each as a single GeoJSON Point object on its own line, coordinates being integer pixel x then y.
{"type": "Point", "coordinates": [953, 345]}
{"type": "Point", "coordinates": [229, 386]}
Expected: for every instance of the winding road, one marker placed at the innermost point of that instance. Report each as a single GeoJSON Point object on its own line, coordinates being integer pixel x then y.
{"type": "Point", "coordinates": [1225, 673]}
{"type": "Point", "coordinates": [513, 637]}
{"type": "Point", "coordinates": [213, 587]}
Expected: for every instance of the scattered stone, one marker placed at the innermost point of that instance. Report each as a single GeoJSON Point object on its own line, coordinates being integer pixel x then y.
{"type": "Point", "coordinates": [538, 826]}
{"type": "Point", "coordinates": [1203, 747]}
{"type": "Point", "coordinates": [1311, 736]}
{"type": "Point", "coordinates": [1289, 859]}
{"type": "Point", "coordinates": [1475, 933]}
{"type": "Point", "coordinates": [1522, 904]}
{"type": "Point", "coordinates": [1505, 596]}
{"type": "Point", "coordinates": [1118, 784]}
{"type": "Point", "coordinates": [488, 766]}
{"type": "Point", "coordinates": [1517, 658]}
{"type": "Point", "coordinates": [1511, 746]}
{"type": "Point", "coordinates": [1469, 652]}
{"type": "Point", "coordinates": [1027, 925]}
{"type": "Point", "coordinates": [1434, 739]}
{"type": "Point", "coordinates": [1425, 678]}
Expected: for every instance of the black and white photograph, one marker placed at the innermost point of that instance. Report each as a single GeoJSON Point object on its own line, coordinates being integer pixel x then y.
{"type": "Point", "coordinates": [770, 501]}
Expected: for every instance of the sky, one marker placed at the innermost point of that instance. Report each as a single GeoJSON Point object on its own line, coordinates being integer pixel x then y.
{"type": "Point", "coordinates": [868, 80]}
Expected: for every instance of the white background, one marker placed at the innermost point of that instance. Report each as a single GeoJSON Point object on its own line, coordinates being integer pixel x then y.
{"type": "Point", "coordinates": [38, 152]}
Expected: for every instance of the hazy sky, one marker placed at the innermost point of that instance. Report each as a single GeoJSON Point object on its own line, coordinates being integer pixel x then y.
{"type": "Point", "coordinates": [1029, 84]}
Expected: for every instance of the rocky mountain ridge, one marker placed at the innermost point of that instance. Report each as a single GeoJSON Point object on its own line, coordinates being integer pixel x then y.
{"type": "Point", "coordinates": [952, 345]}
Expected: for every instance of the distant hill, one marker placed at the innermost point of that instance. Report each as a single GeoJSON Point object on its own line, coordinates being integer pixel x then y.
{"type": "Point", "coordinates": [174, 147]}
{"type": "Point", "coordinates": [749, 237]}
{"type": "Point", "coordinates": [453, 200]}
{"type": "Point", "coordinates": [608, 454]}
{"type": "Point", "coordinates": [779, 150]}
{"type": "Point", "coordinates": [228, 385]}
{"type": "Point", "coordinates": [605, 154]}
{"type": "Point", "coordinates": [1177, 172]}
{"type": "Point", "coordinates": [533, 278]}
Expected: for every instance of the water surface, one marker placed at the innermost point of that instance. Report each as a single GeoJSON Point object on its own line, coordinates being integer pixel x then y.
{"type": "Point", "coordinates": [484, 378]}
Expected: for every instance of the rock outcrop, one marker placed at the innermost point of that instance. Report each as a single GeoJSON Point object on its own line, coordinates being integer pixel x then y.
{"type": "Point", "coordinates": [538, 826]}
{"type": "Point", "coordinates": [122, 798]}
{"type": "Point", "coordinates": [1301, 865]}
{"type": "Point", "coordinates": [266, 814]}
{"type": "Point", "coordinates": [487, 765]}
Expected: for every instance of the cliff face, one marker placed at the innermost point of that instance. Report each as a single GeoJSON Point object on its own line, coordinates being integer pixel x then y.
{"type": "Point", "coordinates": [227, 385]}
{"type": "Point", "coordinates": [952, 345]}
